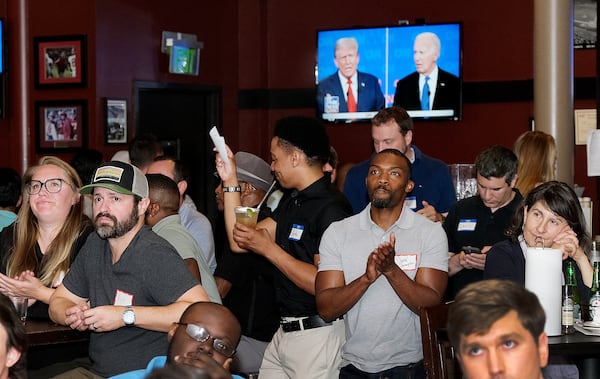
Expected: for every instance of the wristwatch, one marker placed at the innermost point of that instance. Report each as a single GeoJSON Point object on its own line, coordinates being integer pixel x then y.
{"type": "Point", "coordinates": [129, 316]}
{"type": "Point", "coordinates": [232, 189]}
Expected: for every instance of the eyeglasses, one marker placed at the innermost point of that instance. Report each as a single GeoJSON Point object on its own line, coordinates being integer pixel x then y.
{"type": "Point", "coordinates": [53, 185]}
{"type": "Point", "coordinates": [198, 333]}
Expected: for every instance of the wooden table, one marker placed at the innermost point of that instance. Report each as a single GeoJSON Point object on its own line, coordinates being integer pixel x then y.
{"type": "Point", "coordinates": [45, 332]}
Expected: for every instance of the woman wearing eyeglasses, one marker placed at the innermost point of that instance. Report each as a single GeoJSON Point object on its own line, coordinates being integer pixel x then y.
{"type": "Point", "coordinates": [38, 248]}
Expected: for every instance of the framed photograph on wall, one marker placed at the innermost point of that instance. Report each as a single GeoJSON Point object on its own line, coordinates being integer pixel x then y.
{"type": "Point", "coordinates": [60, 61]}
{"type": "Point", "coordinates": [115, 127]}
{"type": "Point", "coordinates": [584, 24]}
{"type": "Point", "coordinates": [60, 125]}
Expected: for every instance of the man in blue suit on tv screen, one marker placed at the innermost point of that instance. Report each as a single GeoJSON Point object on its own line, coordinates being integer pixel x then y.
{"type": "Point", "coordinates": [349, 90]}
{"type": "Point", "coordinates": [429, 87]}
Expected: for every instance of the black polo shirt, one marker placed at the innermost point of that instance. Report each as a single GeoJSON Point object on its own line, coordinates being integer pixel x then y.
{"type": "Point", "coordinates": [471, 223]}
{"type": "Point", "coordinates": [302, 217]}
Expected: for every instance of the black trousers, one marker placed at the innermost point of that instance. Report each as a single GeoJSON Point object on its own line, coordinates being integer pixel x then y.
{"type": "Point", "coordinates": [411, 371]}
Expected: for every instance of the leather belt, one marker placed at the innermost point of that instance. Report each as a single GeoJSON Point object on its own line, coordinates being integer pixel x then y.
{"type": "Point", "coordinates": [309, 322]}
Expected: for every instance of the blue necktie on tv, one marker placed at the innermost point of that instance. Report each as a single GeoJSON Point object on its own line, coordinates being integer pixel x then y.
{"type": "Point", "coordinates": [425, 95]}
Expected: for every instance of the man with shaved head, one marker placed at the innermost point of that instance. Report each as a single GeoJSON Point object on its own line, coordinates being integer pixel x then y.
{"type": "Point", "coordinates": [205, 337]}
{"type": "Point", "coordinates": [162, 216]}
{"type": "Point", "coordinates": [194, 221]}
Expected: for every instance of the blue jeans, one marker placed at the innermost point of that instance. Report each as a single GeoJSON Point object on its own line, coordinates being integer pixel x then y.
{"type": "Point", "coordinates": [411, 371]}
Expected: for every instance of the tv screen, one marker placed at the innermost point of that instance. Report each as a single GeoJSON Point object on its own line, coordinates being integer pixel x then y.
{"type": "Point", "coordinates": [418, 67]}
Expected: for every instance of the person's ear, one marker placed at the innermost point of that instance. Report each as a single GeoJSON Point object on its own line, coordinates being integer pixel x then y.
{"type": "Point", "coordinates": [172, 331]}
{"type": "Point", "coordinates": [143, 205]}
{"type": "Point", "coordinates": [513, 182]}
{"type": "Point", "coordinates": [408, 137]}
{"type": "Point", "coordinates": [182, 185]}
{"type": "Point", "coordinates": [152, 209]}
{"type": "Point", "coordinates": [246, 188]}
{"type": "Point", "coordinates": [295, 156]}
{"type": "Point", "coordinates": [543, 349]}
{"type": "Point", "coordinates": [227, 363]}
{"type": "Point", "coordinates": [409, 186]}
{"type": "Point", "coordinates": [12, 357]}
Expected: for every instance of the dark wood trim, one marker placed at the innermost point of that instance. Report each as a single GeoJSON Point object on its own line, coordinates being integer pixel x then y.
{"type": "Point", "coordinates": [473, 93]}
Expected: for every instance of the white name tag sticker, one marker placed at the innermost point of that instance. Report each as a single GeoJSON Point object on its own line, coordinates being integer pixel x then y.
{"type": "Point", "coordinates": [296, 232]}
{"type": "Point", "coordinates": [123, 298]}
{"type": "Point", "coordinates": [407, 262]}
{"type": "Point", "coordinates": [466, 225]}
{"type": "Point", "coordinates": [411, 202]}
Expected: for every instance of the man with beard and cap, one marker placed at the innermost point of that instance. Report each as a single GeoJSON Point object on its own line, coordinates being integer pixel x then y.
{"type": "Point", "coordinates": [205, 337]}
{"type": "Point", "coordinates": [379, 268]}
{"type": "Point", "coordinates": [305, 345]}
{"type": "Point", "coordinates": [127, 285]}
{"type": "Point", "coordinates": [245, 281]}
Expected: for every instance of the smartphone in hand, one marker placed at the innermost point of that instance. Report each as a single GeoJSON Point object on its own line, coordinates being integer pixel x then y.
{"type": "Point", "coordinates": [471, 250]}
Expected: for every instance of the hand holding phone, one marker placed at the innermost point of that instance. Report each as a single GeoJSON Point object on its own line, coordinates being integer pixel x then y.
{"type": "Point", "coordinates": [471, 249]}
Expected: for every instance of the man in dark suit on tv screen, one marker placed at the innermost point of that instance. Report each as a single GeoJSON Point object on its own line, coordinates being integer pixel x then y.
{"type": "Point", "coordinates": [349, 90]}
{"type": "Point", "coordinates": [429, 87]}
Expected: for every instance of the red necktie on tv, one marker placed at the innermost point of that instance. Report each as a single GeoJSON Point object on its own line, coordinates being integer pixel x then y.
{"type": "Point", "coordinates": [351, 99]}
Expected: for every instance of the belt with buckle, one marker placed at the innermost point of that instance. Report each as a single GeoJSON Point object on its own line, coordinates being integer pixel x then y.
{"type": "Point", "coordinates": [309, 322]}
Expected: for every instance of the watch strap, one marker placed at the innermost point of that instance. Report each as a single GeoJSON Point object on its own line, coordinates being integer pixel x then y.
{"type": "Point", "coordinates": [232, 189]}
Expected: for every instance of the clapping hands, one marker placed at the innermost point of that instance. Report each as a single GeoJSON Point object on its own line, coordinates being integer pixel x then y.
{"type": "Point", "coordinates": [381, 260]}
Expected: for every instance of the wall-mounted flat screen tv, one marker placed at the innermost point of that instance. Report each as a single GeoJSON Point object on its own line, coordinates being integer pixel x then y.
{"type": "Point", "coordinates": [359, 71]}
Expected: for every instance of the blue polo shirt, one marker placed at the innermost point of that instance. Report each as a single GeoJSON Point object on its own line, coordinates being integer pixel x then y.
{"type": "Point", "coordinates": [155, 363]}
{"type": "Point", "coordinates": [431, 176]}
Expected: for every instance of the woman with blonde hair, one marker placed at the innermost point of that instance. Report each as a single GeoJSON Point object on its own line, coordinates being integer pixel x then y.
{"type": "Point", "coordinates": [37, 250]}
{"type": "Point", "coordinates": [537, 160]}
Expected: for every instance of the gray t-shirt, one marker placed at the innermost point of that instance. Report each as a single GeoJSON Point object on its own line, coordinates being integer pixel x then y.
{"type": "Point", "coordinates": [382, 332]}
{"type": "Point", "coordinates": [149, 273]}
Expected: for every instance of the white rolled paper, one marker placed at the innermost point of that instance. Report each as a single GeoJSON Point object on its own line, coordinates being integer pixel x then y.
{"type": "Point", "coordinates": [219, 143]}
{"type": "Point", "coordinates": [543, 276]}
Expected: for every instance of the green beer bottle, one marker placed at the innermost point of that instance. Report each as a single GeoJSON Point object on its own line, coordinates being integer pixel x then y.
{"type": "Point", "coordinates": [568, 315]}
{"type": "Point", "coordinates": [572, 282]}
{"type": "Point", "coordinates": [595, 296]}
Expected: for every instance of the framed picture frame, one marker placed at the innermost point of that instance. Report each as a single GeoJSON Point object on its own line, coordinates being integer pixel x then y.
{"type": "Point", "coordinates": [60, 125]}
{"type": "Point", "coordinates": [115, 124]}
{"type": "Point", "coordinates": [60, 61]}
{"type": "Point", "coordinates": [584, 24]}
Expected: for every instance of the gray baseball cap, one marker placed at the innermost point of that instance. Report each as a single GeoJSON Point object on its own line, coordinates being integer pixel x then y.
{"type": "Point", "coordinates": [120, 177]}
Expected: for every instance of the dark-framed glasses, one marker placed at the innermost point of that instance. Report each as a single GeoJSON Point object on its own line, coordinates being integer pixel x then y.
{"type": "Point", "coordinates": [53, 185]}
{"type": "Point", "coordinates": [200, 334]}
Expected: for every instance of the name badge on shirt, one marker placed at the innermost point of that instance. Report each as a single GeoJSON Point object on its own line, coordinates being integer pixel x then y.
{"type": "Point", "coordinates": [123, 298]}
{"type": "Point", "coordinates": [296, 232]}
{"type": "Point", "coordinates": [466, 225]}
{"type": "Point", "coordinates": [407, 262]}
{"type": "Point", "coordinates": [411, 202]}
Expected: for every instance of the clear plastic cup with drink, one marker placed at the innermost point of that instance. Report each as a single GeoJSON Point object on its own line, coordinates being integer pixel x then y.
{"type": "Point", "coordinates": [20, 303]}
{"type": "Point", "coordinates": [247, 216]}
